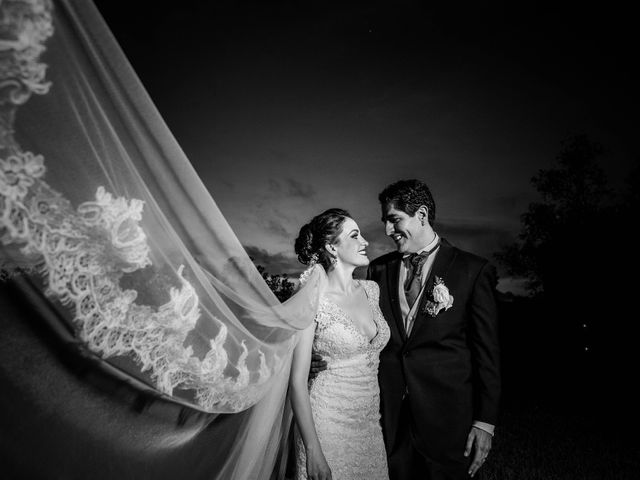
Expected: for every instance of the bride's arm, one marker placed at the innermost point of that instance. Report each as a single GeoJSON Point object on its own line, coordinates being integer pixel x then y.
{"type": "Point", "coordinates": [317, 467]}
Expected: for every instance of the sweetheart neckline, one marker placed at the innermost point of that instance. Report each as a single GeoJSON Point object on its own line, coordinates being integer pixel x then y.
{"type": "Point", "coordinates": [351, 324]}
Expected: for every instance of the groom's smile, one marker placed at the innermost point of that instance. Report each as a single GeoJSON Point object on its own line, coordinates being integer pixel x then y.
{"type": "Point", "coordinates": [397, 238]}
{"type": "Point", "coordinates": [406, 231]}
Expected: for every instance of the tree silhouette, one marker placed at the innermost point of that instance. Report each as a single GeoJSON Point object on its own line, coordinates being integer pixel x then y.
{"type": "Point", "coordinates": [575, 196]}
{"type": "Point", "coordinates": [577, 248]}
{"type": "Point", "coordinates": [280, 285]}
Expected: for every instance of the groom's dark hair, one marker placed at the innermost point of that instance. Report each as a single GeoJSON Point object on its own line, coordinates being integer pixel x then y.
{"type": "Point", "coordinates": [408, 196]}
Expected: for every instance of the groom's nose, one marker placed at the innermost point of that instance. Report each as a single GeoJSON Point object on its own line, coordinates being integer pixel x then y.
{"type": "Point", "coordinates": [388, 228]}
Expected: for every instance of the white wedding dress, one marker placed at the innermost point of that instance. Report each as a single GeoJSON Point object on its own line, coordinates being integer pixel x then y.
{"type": "Point", "coordinates": [115, 248]}
{"type": "Point", "coordinates": [345, 398]}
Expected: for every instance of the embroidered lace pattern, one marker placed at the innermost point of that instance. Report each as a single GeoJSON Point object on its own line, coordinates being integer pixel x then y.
{"type": "Point", "coordinates": [85, 252]}
{"type": "Point", "coordinates": [345, 398]}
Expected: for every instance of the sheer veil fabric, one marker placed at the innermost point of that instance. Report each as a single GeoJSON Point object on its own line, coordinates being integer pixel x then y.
{"type": "Point", "coordinates": [104, 221]}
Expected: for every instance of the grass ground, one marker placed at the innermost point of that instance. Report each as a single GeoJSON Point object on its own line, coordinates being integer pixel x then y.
{"type": "Point", "coordinates": [538, 445]}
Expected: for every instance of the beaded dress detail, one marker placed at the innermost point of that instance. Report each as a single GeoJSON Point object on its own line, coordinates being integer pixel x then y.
{"type": "Point", "coordinates": [345, 398]}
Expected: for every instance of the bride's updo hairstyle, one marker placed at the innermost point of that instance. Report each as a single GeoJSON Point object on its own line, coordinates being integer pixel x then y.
{"type": "Point", "coordinates": [321, 230]}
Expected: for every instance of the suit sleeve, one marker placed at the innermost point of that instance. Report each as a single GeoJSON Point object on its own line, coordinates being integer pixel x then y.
{"type": "Point", "coordinates": [485, 347]}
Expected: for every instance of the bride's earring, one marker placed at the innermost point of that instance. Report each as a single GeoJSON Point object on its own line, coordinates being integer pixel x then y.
{"type": "Point", "coordinates": [334, 261]}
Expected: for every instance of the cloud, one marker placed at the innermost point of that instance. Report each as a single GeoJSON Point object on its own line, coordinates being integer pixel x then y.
{"type": "Point", "coordinates": [299, 189]}
{"type": "Point", "coordinates": [275, 263]}
{"type": "Point", "coordinates": [484, 238]}
{"type": "Point", "coordinates": [472, 227]}
{"type": "Point", "coordinates": [291, 188]}
{"type": "Point", "coordinates": [515, 204]}
{"type": "Point", "coordinates": [277, 228]}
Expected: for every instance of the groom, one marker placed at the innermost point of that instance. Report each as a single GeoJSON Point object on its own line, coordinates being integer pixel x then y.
{"type": "Point", "coordinates": [439, 374]}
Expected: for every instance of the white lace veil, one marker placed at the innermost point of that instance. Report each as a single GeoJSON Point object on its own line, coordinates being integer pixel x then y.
{"type": "Point", "coordinates": [100, 206]}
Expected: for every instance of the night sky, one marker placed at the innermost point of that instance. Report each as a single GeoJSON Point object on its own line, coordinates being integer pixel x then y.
{"type": "Point", "coordinates": [288, 108]}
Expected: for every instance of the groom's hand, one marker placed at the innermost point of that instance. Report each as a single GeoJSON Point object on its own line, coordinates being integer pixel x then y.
{"type": "Point", "coordinates": [317, 365]}
{"type": "Point", "coordinates": [481, 440]}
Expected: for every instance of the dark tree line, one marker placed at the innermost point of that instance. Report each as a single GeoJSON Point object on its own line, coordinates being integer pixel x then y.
{"type": "Point", "coordinates": [575, 200]}
{"type": "Point", "coordinates": [578, 249]}
{"type": "Point", "coordinates": [280, 284]}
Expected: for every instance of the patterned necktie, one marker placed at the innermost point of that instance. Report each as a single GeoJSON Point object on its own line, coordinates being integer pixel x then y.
{"type": "Point", "coordinates": [413, 283]}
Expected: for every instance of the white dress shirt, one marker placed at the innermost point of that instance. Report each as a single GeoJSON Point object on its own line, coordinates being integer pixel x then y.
{"type": "Point", "coordinates": [409, 314]}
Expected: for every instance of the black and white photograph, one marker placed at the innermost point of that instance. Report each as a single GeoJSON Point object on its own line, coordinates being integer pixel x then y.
{"type": "Point", "coordinates": [281, 240]}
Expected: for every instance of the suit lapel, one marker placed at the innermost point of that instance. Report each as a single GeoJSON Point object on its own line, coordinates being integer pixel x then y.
{"type": "Point", "coordinates": [444, 258]}
{"type": "Point", "coordinates": [393, 276]}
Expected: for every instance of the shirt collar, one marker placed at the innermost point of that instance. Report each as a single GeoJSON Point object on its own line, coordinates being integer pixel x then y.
{"type": "Point", "coordinates": [427, 247]}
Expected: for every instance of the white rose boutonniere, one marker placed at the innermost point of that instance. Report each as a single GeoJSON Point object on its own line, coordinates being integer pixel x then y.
{"type": "Point", "coordinates": [440, 298]}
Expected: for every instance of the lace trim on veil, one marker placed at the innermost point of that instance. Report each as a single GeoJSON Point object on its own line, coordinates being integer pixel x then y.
{"type": "Point", "coordinates": [83, 254]}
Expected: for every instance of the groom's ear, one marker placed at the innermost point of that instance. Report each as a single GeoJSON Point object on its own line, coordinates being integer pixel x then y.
{"type": "Point", "coordinates": [423, 214]}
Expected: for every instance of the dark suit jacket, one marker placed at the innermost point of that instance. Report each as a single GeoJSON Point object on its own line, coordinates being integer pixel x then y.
{"type": "Point", "coordinates": [449, 365]}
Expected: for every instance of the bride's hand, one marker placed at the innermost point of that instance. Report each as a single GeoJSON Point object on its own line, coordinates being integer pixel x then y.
{"type": "Point", "coordinates": [317, 466]}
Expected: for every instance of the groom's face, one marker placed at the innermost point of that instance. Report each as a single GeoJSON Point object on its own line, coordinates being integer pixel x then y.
{"type": "Point", "coordinates": [406, 231]}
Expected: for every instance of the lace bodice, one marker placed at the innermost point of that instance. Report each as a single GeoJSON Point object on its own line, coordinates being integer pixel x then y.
{"type": "Point", "coordinates": [345, 398]}
{"type": "Point", "coordinates": [338, 340]}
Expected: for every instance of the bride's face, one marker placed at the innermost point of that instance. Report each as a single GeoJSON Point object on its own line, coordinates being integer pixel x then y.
{"type": "Point", "coordinates": [351, 247]}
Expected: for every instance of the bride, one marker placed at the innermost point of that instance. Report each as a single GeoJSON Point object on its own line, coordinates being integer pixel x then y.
{"type": "Point", "coordinates": [338, 415]}
{"type": "Point", "coordinates": [155, 348]}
